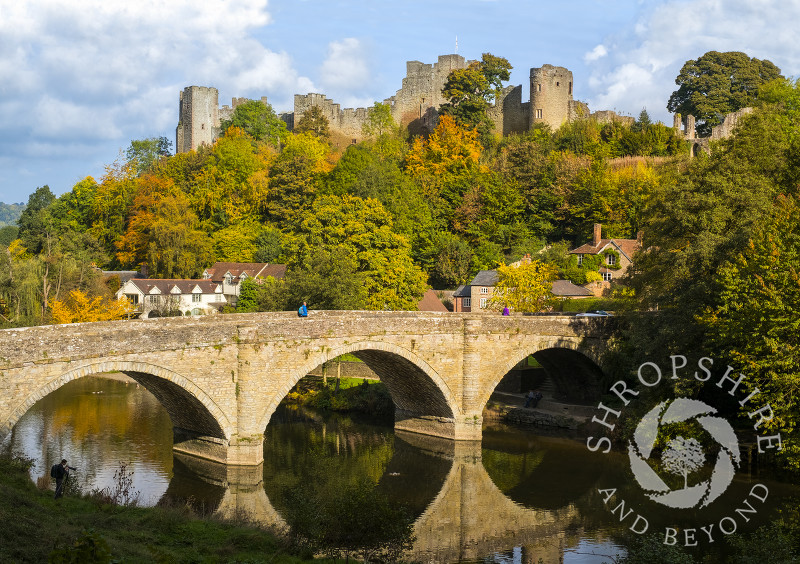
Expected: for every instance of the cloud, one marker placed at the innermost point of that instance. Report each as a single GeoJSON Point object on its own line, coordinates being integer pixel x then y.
{"type": "Point", "coordinates": [345, 73]}
{"type": "Point", "coordinates": [641, 64]}
{"type": "Point", "coordinates": [597, 53]}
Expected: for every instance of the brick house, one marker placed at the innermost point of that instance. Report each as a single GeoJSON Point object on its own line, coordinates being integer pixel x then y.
{"type": "Point", "coordinates": [617, 257]}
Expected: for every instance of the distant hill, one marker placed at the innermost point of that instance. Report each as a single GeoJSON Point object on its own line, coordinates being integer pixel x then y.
{"type": "Point", "coordinates": [9, 213]}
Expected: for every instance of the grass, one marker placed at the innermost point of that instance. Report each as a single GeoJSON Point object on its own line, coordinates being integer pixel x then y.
{"type": "Point", "coordinates": [82, 528]}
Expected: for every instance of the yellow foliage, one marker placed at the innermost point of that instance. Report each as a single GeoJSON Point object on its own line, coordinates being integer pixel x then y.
{"type": "Point", "coordinates": [311, 147]}
{"type": "Point", "coordinates": [18, 251]}
{"type": "Point", "coordinates": [525, 288]}
{"type": "Point", "coordinates": [449, 149]}
{"type": "Point", "coordinates": [79, 308]}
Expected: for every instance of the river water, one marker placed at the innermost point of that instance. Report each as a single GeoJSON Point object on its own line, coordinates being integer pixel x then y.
{"type": "Point", "coordinates": [517, 497]}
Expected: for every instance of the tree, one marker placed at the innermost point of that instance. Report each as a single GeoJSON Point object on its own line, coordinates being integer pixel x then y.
{"type": "Point", "coordinates": [472, 90]}
{"type": "Point", "coordinates": [259, 121]}
{"type": "Point", "coordinates": [328, 278]}
{"type": "Point", "coordinates": [142, 153]}
{"type": "Point", "coordinates": [525, 288]}
{"type": "Point", "coordinates": [756, 323]}
{"type": "Point", "coordinates": [683, 456]}
{"type": "Point", "coordinates": [314, 122]}
{"type": "Point", "coordinates": [379, 121]}
{"type": "Point", "coordinates": [36, 222]}
{"type": "Point", "coordinates": [362, 229]}
{"type": "Point", "coordinates": [80, 308]}
{"type": "Point", "coordinates": [719, 83]}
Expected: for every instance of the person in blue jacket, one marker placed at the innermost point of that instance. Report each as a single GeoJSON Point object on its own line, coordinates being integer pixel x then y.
{"type": "Point", "coordinates": [303, 311]}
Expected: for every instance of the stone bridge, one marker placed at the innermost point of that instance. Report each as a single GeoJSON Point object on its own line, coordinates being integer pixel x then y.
{"type": "Point", "coordinates": [221, 377]}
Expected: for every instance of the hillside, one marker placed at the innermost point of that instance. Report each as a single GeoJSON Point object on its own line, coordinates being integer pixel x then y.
{"type": "Point", "coordinates": [9, 213]}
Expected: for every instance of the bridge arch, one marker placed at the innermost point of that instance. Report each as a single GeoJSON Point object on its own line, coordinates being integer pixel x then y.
{"type": "Point", "coordinates": [188, 406]}
{"type": "Point", "coordinates": [550, 353]}
{"type": "Point", "coordinates": [415, 387]}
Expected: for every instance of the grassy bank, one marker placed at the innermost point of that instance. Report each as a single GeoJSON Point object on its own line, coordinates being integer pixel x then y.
{"type": "Point", "coordinates": [87, 529]}
{"type": "Point", "coordinates": [370, 397]}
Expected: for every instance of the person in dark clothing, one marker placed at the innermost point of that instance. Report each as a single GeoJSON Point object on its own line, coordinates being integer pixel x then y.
{"type": "Point", "coordinates": [532, 399]}
{"type": "Point", "coordinates": [61, 474]}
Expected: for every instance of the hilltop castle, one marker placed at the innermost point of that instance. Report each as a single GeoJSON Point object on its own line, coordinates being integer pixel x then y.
{"type": "Point", "coordinates": [414, 106]}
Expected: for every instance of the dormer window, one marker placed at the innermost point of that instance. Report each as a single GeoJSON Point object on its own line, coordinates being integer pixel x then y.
{"type": "Point", "coordinates": [611, 260]}
{"type": "Point", "coordinates": [228, 279]}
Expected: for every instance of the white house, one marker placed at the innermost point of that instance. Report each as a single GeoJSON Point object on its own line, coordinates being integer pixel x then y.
{"type": "Point", "coordinates": [162, 297]}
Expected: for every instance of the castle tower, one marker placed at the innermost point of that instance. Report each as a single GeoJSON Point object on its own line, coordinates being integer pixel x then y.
{"type": "Point", "coordinates": [198, 118]}
{"type": "Point", "coordinates": [551, 96]}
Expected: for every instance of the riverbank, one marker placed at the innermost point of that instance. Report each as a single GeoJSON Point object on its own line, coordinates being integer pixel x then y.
{"type": "Point", "coordinates": [370, 397]}
{"type": "Point", "coordinates": [37, 528]}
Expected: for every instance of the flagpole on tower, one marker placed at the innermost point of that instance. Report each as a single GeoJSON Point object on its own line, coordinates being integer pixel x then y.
{"type": "Point", "coordinates": [456, 44]}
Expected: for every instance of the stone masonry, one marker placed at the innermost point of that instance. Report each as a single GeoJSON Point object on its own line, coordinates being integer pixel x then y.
{"type": "Point", "coordinates": [220, 378]}
{"type": "Point", "coordinates": [415, 106]}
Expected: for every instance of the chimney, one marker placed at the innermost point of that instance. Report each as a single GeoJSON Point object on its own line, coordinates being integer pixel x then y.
{"type": "Point", "coordinates": [639, 235]}
{"type": "Point", "coordinates": [143, 271]}
{"type": "Point", "coordinates": [596, 234]}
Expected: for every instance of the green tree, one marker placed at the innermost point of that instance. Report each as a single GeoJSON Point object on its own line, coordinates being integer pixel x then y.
{"type": "Point", "coordinates": [470, 92]}
{"type": "Point", "coordinates": [259, 121]}
{"type": "Point", "coordinates": [328, 278]}
{"type": "Point", "coordinates": [379, 121]}
{"type": "Point", "coordinates": [363, 229]}
{"type": "Point", "coordinates": [142, 153]}
{"type": "Point", "coordinates": [313, 121]}
{"type": "Point", "coordinates": [757, 320]}
{"type": "Point", "coordinates": [36, 223]}
{"type": "Point", "coordinates": [717, 84]}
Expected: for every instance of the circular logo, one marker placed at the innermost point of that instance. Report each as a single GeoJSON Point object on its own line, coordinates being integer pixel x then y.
{"type": "Point", "coordinates": [683, 456]}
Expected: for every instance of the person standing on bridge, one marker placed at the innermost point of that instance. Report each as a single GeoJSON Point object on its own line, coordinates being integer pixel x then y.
{"type": "Point", "coordinates": [302, 311]}
{"type": "Point", "coordinates": [506, 311]}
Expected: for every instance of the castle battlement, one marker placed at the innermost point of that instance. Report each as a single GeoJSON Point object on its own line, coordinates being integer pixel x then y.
{"type": "Point", "coordinates": [415, 105]}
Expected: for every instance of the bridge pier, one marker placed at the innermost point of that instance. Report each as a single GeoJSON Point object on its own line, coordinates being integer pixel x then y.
{"type": "Point", "coordinates": [468, 429]}
{"type": "Point", "coordinates": [238, 451]}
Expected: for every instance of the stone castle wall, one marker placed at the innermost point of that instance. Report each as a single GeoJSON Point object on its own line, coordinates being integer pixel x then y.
{"type": "Point", "coordinates": [414, 106]}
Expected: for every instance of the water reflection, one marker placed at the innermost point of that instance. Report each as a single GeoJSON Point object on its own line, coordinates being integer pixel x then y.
{"type": "Point", "coordinates": [516, 497]}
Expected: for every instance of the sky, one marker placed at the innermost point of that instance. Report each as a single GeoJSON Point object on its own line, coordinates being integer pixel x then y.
{"type": "Point", "coordinates": [79, 80]}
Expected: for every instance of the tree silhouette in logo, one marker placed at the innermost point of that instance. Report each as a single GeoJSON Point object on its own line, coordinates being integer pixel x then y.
{"type": "Point", "coordinates": [682, 457]}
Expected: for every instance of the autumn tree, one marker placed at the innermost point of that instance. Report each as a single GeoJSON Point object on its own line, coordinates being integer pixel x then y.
{"type": "Point", "coordinates": [525, 288]}
{"type": "Point", "coordinates": [80, 308]}
{"type": "Point", "coordinates": [717, 84]}
{"type": "Point", "coordinates": [314, 122]}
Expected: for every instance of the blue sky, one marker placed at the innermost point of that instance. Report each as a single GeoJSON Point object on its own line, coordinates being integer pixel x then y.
{"type": "Point", "coordinates": [79, 80]}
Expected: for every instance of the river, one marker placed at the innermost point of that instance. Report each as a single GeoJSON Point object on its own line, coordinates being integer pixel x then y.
{"type": "Point", "coordinates": [517, 497]}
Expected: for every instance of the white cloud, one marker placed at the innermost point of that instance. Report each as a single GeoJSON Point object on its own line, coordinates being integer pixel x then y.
{"type": "Point", "coordinates": [345, 67]}
{"type": "Point", "coordinates": [640, 67]}
{"type": "Point", "coordinates": [598, 52]}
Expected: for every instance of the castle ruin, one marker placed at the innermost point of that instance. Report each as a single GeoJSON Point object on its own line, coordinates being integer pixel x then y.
{"type": "Point", "coordinates": [415, 106]}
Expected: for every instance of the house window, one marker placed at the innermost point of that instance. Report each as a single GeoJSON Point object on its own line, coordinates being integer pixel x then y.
{"type": "Point", "coordinates": [483, 303]}
{"type": "Point", "coordinates": [153, 300]}
{"type": "Point", "coordinates": [196, 298]}
{"type": "Point", "coordinates": [467, 302]}
{"type": "Point", "coordinates": [484, 290]}
{"type": "Point", "coordinates": [580, 260]}
{"type": "Point", "coordinates": [611, 260]}
{"type": "Point", "coordinates": [606, 277]}
{"type": "Point", "coordinates": [539, 113]}
{"type": "Point", "coordinates": [133, 298]}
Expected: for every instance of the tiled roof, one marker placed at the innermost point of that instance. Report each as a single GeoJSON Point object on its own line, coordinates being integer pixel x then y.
{"type": "Point", "coordinates": [251, 269]}
{"type": "Point", "coordinates": [431, 302]}
{"type": "Point", "coordinates": [462, 292]}
{"type": "Point", "coordinates": [165, 285]}
{"type": "Point", "coordinates": [626, 246]}
{"type": "Point", "coordinates": [485, 278]}
{"type": "Point", "coordinates": [565, 288]}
